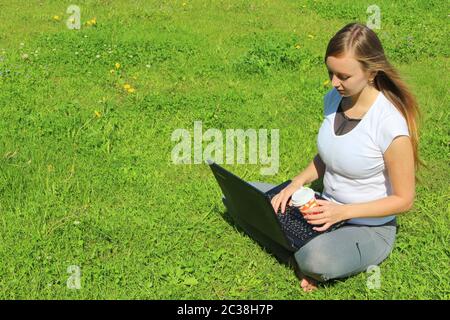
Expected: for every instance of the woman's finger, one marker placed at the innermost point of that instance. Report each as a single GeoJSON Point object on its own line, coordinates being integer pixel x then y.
{"type": "Point", "coordinates": [274, 199]}
{"type": "Point", "coordinates": [315, 217]}
{"type": "Point", "coordinates": [277, 204]}
{"type": "Point", "coordinates": [283, 205]}
{"type": "Point", "coordinates": [317, 222]}
{"type": "Point", "coordinates": [315, 210]}
{"type": "Point", "coordinates": [324, 228]}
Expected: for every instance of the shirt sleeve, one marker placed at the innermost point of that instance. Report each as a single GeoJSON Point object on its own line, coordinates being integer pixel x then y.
{"type": "Point", "coordinates": [391, 127]}
{"type": "Point", "coordinates": [327, 101]}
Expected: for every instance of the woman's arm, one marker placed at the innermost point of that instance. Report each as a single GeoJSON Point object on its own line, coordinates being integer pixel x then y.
{"type": "Point", "coordinates": [314, 171]}
{"type": "Point", "coordinates": [399, 161]}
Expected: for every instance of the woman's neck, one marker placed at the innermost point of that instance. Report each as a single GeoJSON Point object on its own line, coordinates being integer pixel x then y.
{"type": "Point", "coordinates": [361, 102]}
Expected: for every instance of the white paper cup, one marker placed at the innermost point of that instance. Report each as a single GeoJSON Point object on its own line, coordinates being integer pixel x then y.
{"type": "Point", "coordinates": [304, 198]}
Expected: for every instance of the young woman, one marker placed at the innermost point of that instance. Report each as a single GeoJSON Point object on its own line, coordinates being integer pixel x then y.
{"type": "Point", "coordinates": [368, 158]}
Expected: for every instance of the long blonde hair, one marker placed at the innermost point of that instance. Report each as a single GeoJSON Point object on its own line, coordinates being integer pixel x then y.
{"type": "Point", "coordinates": [366, 48]}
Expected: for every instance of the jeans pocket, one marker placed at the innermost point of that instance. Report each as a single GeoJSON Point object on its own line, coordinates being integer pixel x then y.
{"type": "Point", "coordinates": [387, 233]}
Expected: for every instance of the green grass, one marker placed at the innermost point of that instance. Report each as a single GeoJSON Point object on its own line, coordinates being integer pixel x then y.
{"type": "Point", "coordinates": [101, 191]}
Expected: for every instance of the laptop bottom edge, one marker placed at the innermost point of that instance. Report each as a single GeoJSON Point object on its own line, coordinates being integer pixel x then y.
{"type": "Point", "coordinates": [282, 254]}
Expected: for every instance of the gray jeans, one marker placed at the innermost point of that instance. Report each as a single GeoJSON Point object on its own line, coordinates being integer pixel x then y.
{"type": "Point", "coordinates": [344, 252]}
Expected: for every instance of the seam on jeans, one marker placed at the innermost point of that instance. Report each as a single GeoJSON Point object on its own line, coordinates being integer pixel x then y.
{"type": "Point", "coordinates": [359, 251]}
{"type": "Point", "coordinates": [360, 267]}
{"type": "Point", "coordinates": [387, 250]}
{"type": "Point", "coordinates": [360, 263]}
{"type": "Point", "coordinates": [389, 241]}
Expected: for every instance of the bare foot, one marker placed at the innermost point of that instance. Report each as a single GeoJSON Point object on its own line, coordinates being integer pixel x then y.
{"type": "Point", "coordinates": [308, 284]}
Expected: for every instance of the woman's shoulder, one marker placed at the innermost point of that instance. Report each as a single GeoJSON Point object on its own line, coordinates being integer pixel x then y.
{"type": "Point", "coordinates": [386, 108]}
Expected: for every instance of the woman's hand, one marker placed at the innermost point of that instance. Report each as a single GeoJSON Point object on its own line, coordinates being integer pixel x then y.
{"type": "Point", "coordinates": [284, 195]}
{"type": "Point", "coordinates": [327, 213]}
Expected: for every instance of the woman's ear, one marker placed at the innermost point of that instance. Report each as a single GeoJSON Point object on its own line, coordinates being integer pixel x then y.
{"type": "Point", "coordinates": [371, 79]}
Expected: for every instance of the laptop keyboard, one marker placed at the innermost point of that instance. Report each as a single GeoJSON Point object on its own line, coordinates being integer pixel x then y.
{"type": "Point", "coordinates": [296, 228]}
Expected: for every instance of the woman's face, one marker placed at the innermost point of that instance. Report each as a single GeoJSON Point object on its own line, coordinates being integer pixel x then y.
{"type": "Point", "coordinates": [346, 75]}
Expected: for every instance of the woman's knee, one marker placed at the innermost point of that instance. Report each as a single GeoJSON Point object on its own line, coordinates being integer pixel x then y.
{"type": "Point", "coordinates": [319, 263]}
{"type": "Point", "coordinates": [312, 263]}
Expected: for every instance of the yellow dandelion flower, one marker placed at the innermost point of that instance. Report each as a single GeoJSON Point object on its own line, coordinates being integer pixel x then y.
{"type": "Point", "coordinates": [126, 86]}
{"type": "Point", "coordinates": [97, 114]}
{"type": "Point", "coordinates": [326, 82]}
{"type": "Point", "coordinates": [131, 90]}
{"type": "Point", "coordinates": [117, 65]}
{"type": "Point", "coordinates": [57, 18]}
{"type": "Point", "coordinates": [91, 22]}
{"type": "Point", "coordinates": [297, 46]}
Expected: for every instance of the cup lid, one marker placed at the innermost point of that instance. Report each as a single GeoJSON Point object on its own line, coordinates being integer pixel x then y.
{"type": "Point", "coordinates": [302, 196]}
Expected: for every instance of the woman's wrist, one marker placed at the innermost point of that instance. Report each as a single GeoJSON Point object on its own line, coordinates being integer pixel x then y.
{"type": "Point", "coordinates": [298, 181]}
{"type": "Point", "coordinates": [348, 211]}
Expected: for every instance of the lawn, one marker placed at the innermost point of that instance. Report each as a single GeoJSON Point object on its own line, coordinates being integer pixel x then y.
{"type": "Point", "coordinates": [86, 118]}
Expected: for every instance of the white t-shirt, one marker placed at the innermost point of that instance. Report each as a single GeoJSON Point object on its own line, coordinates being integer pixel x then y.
{"type": "Point", "coordinates": [355, 169]}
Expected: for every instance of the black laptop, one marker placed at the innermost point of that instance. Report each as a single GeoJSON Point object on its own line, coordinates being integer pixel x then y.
{"type": "Point", "coordinates": [251, 209]}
